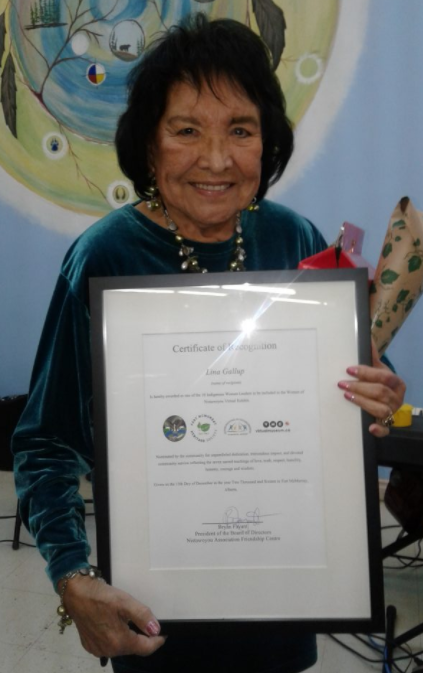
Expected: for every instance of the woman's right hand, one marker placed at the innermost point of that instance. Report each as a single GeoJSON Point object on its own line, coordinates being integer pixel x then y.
{"type": "Point", "coordinates": [101, 614]}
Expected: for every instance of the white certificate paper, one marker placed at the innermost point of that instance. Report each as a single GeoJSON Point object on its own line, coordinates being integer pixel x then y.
{"type": "Point", "coordinates": [234, 471]}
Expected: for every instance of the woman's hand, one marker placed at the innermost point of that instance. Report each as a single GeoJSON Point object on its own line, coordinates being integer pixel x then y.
{"type": "Point", "coordinates": [101, 614]}
{"type": "Point", "coordinates": [377, 390]}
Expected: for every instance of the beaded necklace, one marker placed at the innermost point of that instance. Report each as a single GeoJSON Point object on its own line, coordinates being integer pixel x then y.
{"type": "Point", "coordinates": [190, 261]}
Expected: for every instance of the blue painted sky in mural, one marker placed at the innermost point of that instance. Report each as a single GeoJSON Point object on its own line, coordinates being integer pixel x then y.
{"type": "Point", "coordinates": [68, 93]}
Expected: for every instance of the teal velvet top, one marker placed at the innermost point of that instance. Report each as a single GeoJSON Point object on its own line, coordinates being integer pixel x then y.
{"type": "Point", "coordinates": [53, 443]}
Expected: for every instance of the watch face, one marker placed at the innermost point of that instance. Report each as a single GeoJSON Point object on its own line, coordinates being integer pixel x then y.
{"type": "Point", "coordinates": [67, 86]}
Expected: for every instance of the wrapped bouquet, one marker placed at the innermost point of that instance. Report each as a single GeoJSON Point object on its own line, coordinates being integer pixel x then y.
{"type": "Point", "coordinates": [398, 280]}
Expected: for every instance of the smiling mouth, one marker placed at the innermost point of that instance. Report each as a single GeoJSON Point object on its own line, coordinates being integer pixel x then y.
{"type": "Point", "coordinates": [211, 188]}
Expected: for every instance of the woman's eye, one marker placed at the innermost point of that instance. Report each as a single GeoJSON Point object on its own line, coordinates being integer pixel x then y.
{"type": "Point", "coordinates": [186, 132]}
{"type": "Point", "coordinates": [241, 133]}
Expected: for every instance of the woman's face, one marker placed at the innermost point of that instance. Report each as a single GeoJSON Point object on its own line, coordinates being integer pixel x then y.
{"type": "Point", "coordinates": [207, 157]}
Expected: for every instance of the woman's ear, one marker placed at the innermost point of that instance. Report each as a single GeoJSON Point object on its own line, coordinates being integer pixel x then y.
{"type": "Point", "coordinates": [150, 159]}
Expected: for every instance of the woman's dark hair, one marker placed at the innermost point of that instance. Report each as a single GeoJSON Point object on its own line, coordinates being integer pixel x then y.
{"type": "Point", "coordinates": [200, 51]}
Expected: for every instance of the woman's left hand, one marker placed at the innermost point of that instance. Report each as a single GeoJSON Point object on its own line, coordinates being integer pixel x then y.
{"type": "Point", "coordinates": [377, 390]}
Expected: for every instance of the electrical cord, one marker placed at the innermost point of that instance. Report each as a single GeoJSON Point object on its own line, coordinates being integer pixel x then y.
{"type": "Point", "coordinates": [386, 667]}
{"type": "Point", "coordinates": [413, 561]}
{"type": "Point", "coordinates": [25, 544]}
{"type": "Point", "coordinates": [405, 648]}
{"type": "Point", "coordinates": [381, 649]}
{"type": "Point", "coordinates": [353, 651]}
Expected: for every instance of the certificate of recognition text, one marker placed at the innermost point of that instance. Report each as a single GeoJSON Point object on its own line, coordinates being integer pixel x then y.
{"type": "Point", "coordinates": [233, 449]}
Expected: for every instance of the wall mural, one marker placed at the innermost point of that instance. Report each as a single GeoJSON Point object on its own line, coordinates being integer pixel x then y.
{"type": "Point", "coordinates": [64, 66]}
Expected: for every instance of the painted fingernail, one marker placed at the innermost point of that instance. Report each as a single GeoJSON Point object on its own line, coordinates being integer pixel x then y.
{"type": "Point", "coordinates": [153, 628]}
{"type": "Point", "coordinates": [349, 396]}
{"type": "Point", "coordinates": [344, 385]}
{"type": "Point", "coordinates": [352, 370]}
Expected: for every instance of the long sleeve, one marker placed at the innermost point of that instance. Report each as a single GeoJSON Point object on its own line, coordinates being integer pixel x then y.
{"type": "Point", "coordinates": [53, 443]}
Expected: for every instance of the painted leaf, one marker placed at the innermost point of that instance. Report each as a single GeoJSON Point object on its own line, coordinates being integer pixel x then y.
{"type": "Point", "coordinates": [394, 331]}
{"type": "Point", "coordinates": [395, 308]}
{"type": "Point", "coordinates": [408, 305]}
{"type": "Point", "coordinates": [400, 224]}
{"type": "Point", "coordinates": [8, 94]}
{"type": "Point", "coordinates": [388, 276]}
{"type": "Point", "coordinates": [379, 323]}
{"type": "Point", "coordinates": [414, 263]}
{"type": "Point", "coordinates": [398, 238]}
{"type": "Point", "coordinates": [2, 35]}
{"type": "Point", "coordinates": [272, 25]}
{"type": "Point", "coordinates": [373, 288]}
{"type": "Point", "coordinates": [387, 250]}
{"type": "Point", "coordinates": [402, 295]}
{"type": "Point", "coordinates": [416, 243]}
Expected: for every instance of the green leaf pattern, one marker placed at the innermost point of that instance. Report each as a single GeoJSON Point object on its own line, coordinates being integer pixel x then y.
{"type": "Point", "coordinates": [414, 263]}
{"type": "Point", "coordinates": [387, 250]}
{"type": "Point", "coordinates": [402, 295]}
{"type": "Point", "coordinates": [398, 281]}
{"type": "Point", "coordinates": [389, 276]}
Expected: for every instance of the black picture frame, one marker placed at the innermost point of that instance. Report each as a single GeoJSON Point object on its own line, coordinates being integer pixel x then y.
{"type": "Point", "coordinates": [327, 281]}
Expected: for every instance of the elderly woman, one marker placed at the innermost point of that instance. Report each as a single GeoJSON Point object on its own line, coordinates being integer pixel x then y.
{"type": "Point", "coordinates": [203, 136]}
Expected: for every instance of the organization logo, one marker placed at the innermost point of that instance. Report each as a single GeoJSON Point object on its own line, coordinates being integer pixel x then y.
{"type": "Point", "coordinates": [237, 427]}
{"type": "Point", "coordinates": [174, 428]}
{"type": "Point", "coordinates": [274, 426]}
{"type": "Point", "coordinates": [203, 428]}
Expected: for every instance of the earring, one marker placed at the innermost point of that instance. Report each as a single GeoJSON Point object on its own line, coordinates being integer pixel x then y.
{"type": "Point", "coordinates": [153, 196]}
{"type": "Point", "coordinates": [253, 207]}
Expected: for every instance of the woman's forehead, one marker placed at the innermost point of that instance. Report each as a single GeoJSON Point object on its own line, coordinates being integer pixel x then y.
{"type": "Point", "coordinates": [186, 95]}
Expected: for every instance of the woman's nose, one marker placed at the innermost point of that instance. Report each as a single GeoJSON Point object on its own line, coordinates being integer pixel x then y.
{"type": "Point", "coordinates": [215, 154]}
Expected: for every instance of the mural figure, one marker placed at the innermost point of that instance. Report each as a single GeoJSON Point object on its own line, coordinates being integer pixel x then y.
{"type": "Point", "coordinates": [64, 68]}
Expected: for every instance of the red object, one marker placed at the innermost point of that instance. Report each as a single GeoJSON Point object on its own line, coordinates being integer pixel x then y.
{"type": "Point", "coordinates": [349, 257]}
{"type": "Point", "coordinates": [327, 260]}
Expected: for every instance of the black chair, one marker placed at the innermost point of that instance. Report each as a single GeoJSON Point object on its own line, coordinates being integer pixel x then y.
{"type": "Point", "coordinates": [10, 412]}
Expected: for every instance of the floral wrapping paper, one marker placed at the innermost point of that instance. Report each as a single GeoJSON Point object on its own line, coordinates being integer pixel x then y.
{"type": "Point", "coordinates": [398, 281]}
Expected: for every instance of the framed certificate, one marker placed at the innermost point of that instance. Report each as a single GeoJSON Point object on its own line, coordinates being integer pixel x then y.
{"type": "Point", "coordinates": [235, 486]}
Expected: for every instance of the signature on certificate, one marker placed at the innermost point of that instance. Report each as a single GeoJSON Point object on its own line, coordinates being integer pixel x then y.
{"type": "Point", "coordinates": [231, 515]}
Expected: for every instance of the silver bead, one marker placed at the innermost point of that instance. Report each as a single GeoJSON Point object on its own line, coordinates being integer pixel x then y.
{"type": "Point", "coordinates": [186, 250]}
